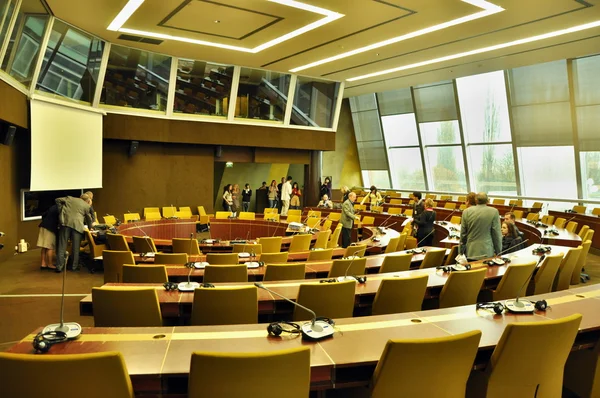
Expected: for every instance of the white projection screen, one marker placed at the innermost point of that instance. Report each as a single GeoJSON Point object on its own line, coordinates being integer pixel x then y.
{"type": "Point", "coordinates": [66, 147]}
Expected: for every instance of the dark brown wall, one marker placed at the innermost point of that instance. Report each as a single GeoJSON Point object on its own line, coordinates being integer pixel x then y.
{"type": "Point", "coordinates": [157, 175]}
{"type": "Point", "coordinates": [13, 105]}
{"type": "Point", "coordinates": [162, 130]}
{"type": "Point", "coordinates": [9, 199]}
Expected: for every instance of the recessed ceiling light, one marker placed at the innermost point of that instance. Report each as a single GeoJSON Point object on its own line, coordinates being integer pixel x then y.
{"type": "Point", "coordinates": [488, 9]}
{"type": "Point", "coordinates": [132, 5]}
{"type": "Point", "coordinates": [526, 40]}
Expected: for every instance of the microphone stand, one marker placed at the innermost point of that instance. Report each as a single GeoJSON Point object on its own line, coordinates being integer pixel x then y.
{"type": "Point", "coordinates": [315, 329]}
{"type": "Point", "coordinates": [71, 329]}
{"type": "Point", "coordinates": [189, 286]}
{"type": "Point", "coordinates": [346, 277]}
{"type": "Point", "coordinates": [523, 306]}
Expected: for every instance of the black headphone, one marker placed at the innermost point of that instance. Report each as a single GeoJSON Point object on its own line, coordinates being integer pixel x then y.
{"type": "Point", "coordinates": [540, 305]}
{"type": "Point", "coordinates": [359, 279]}
{"type": "Point", "coordinates": [169, 286]}
{"type": "Point", "coordinates": [451, 268]}
{"type": "Point", "coordinates": [43, 341]}
{"type": "Point", "coordinates": [277, 328]}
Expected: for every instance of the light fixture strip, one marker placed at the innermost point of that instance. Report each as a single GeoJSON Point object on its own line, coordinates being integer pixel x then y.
{"type": "Point", "coordinates": [125, 14]}
{"type": "Point", "coordinates": [489, 9]}
{"type": "Point", "coordinates": [526, 40]}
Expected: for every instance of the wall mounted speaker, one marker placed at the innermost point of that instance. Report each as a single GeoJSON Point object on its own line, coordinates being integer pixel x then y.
{"type": "Point", "coordinates": [133, 147]}
{"type": "Point", "coordinates": [10, 135]}
{"type": "Point", "coordinates": [218, 151]}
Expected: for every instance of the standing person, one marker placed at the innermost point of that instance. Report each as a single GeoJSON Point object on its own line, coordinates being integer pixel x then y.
{"type": "Point", "coordinates": [227, 199]}
{"type": "Point", "coordinates": [345, 191]}
{"type": "Point", "coordinates": [263, 186]}
{"type": "Point", "coordinates": [480, 234]}
{"type": "Point", "coordinates": [235, 198]}
{"type": "Point", "coordinates": [374, 197]}
{"type": "Point", "coordinates": [325, 188]}
{"type": "Point", "coordinates": [92, 212]}
{"type": "Point", "coordinates": [246, 195]}
{"type": "Point", "coordinates": [279, 188]}
{"type": "Point", "coordinates": [286, 195]}
{"type": "Point", "coordinates": [347, 219]}
{"type": "Point", "coordinates": [419, 205]}
{"type": "Point", "coordinates": [47, 236]}
{"type": "Point", "coordinates": [296, 193]}
{"type": "Point", "coordinates": [425, 224]}
{"type": "Point", "coordinates": [471, 199]}
{"type": "Point", "coordinates": [273, 194]}
{"type": "Point", "coordinates": [73, 213]}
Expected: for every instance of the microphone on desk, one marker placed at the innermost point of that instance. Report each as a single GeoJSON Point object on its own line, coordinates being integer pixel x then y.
{"type": "Point", "coordinates": [443, 222]}
{"type": "Point", "coordinates": [526, 306]}
{"type": "Point", "coordinates": [57, 332]}
{"type": "Point", "coordinates": [360, 279]}
{"type": "Point", "coordinates": [189, 286]}
{"type": "Point", "coordinates": [316, 329]}
{"type": "Point", "coordinates": [498, 261]}
{"type": "Point", "coordinates": [385, 221]}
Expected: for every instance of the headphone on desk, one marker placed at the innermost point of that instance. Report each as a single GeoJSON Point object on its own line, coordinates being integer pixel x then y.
{"type": "Point", "coordinates": [540, 305]}
{"type": "Point", "coordinates": [43, 341]}
{"type": "Point", "coordinates": [277, 328]}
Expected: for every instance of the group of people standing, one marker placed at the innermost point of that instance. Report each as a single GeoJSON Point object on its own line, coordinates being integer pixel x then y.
{"type": "Point", "coordinates": [64, 220]}
{"type": "Point", "coordinates": [284, 193]}
{"type": "Point", "coordinates": [232, 196]}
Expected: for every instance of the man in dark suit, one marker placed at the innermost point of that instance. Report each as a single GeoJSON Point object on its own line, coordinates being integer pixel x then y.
{"type": "Point", "coordinates": [480, 234]}
{"type": "Point", "coordinates": [347, 219]}
{"type": "Point", "coordinates": [73, 213]}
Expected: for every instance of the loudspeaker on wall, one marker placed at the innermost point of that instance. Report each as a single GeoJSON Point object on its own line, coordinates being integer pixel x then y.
{"type": "Point", "coordinates": [133, 147]}
{"type": "Point", "coordinates": [10, 135]}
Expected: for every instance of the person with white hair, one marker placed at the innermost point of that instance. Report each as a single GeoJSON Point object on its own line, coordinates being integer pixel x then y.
{"type": "Point", "coordinates": [73, 214]}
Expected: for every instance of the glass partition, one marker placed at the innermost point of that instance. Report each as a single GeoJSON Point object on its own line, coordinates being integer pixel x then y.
{"type": "Point", "coordinates": [25, 41]}
{"type": "Point", "coordinates": [314, 102]}
{"type": "Point", "coordinates": [202, 87]}
{"type": "Point", "coordinates": [262, 95]}
{"type": "Point", "coordinates": [7, 9]}
{"type": "Point", "coordinates": [136, 79]}
{"type": "Point", "coordinates": [71, 63]}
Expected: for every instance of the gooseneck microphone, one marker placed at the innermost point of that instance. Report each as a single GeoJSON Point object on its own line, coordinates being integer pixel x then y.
{"type": "Point", "coordinates": [346, 277]}
{"type": "Point", "coordinates": [70, 329]}
{"type": "Point", "coordinates": [523, 306]}
{"type": "Point", "coordinates": [316, 329]}
{"type": "Point", "coordinates": [189, 286]}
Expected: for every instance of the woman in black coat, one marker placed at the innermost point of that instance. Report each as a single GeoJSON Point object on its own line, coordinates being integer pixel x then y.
{"type": "Point", "coordinates": [510, 238]}
{"type": "Point", "coordinates": [424, 223]}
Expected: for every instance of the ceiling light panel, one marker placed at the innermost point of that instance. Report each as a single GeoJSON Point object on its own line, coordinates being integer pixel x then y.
{"type": "Point", "coordinates": [133, 5]}
{"type": "Point", "coordinates": [481, 50]}
{"type": "Point", "coordinates": [487, 7]}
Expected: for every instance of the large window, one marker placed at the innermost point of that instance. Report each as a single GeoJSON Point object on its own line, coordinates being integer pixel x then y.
{"type": "Point", "coordinates": [202, 88]}
{"type": "Point", "coordinates": [445, 169]}
{"type": "Point", "coordinates": [136, 79]}
{"type": "Point", "coordinates": [314, 102]}
{"type": "Point", "coordinates": [590, 174]}
{"type": "Point", "coordinates": [71, 63]}
{"type": "Point", "coordinates": [485, 120]}
{"type": "Point", "coordinates": [548, 172]}
{"type": "Point", "coordinates": [25, 41]}
{"type": "Point", "coordinates": [262, 95]}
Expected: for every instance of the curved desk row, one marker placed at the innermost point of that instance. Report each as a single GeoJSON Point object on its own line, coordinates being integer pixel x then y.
{"type": "Point", "coordinates": [175, 304]}
{"type": "Point", "coordinates": [158, 359]}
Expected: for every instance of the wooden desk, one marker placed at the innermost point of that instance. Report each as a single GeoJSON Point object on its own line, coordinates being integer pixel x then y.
{"type": "Point", "coordinates": [158, 359]}
{"type": "Point", "coordinates": [582, 219]}
{"type": "Point", "coordinates": [177, 304]}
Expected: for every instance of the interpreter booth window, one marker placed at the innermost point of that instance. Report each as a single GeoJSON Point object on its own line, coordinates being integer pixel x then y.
{"type": "Point", "coordinates": [25, 41]}
{"type": "Point", "coordinates": [202, 88]}
{"type": "Point", "coordinates": [314, 102]}
{"type": "Point", "coordinates": [548, 172]}
{"type": "Point", "coordinates": [485, 120]}
{"type": "Point", "coordinates": [136, 79]}
{"type": "Point", "coordinates": [7, 10]}
{"type": "Point", "coordinates": [262, 95]}
{"type": "Point", "coordinates": [71, 63]}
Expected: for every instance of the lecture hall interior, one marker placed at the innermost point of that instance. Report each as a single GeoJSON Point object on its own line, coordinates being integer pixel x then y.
{"type": "Point", "coordinates": [184, 287]}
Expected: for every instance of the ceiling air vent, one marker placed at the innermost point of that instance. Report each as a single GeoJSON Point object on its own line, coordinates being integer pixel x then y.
{"type": "Point", "coordinates": [140, 39]}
